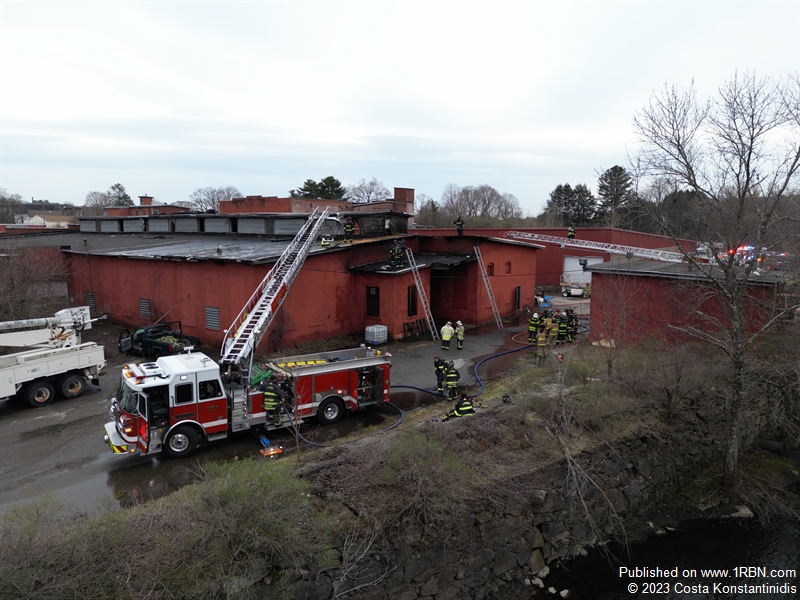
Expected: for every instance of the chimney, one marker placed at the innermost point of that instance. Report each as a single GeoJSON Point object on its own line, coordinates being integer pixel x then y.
{"type": "Point", "coordinates": [145, 200]}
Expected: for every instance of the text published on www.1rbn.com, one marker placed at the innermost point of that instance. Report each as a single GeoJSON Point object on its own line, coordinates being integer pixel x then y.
{"type": "Point", "coordinates": [738, 580]}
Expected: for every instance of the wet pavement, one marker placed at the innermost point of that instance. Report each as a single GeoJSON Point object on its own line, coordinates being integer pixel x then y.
{"type": "Point", "coordinates": [59, 448]}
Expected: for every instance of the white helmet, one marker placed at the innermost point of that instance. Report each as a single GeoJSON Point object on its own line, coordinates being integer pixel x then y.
{"type": "Point", "coordinates": [449, 322]}
{"type": "Point", "coordinates": [458, 323]}
{"type": "Point", "coordinates": [535, 315]}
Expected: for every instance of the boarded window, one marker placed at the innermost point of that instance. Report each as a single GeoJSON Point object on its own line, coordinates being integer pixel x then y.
{"type": "Point", "coordinates": [412, 301]}
{"type": "Point", "coordinates": [373, 301]}
{"type": "Point", "coordinates": [212, 317]}
{"type": "Point", "coordinates": [91, 300]}
{"type": "Point", "coordinates": [490, 269]}
{"type": "Point", "coordinates": [144, 308]}
{"type": "Point", "coordinates": [508, 267]}
{"type": "Point", "coordinates": [517, 297]}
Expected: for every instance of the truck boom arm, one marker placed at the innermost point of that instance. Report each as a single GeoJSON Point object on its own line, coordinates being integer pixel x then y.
{"type": "Point", "coordinates": [60, 331]}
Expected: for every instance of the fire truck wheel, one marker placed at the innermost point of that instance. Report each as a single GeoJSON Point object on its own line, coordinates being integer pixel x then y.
{"type": "Point", "coordinates": [331, 410]}
{"type": "Point", "coordinates": [71, 385]}
{"type": "Point", "coordinates": [182, 442]}
{"type": "Point", "coordinates": [39, 393]}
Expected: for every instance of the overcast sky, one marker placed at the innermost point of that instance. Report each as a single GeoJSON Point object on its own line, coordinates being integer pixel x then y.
{"type": "Point", "coordinates": [169, 97]}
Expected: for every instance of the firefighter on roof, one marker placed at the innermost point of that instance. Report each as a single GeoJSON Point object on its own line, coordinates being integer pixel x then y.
{"type": "Point", "coordinates": [349, 228]}
{"type": "Point", "coordinates": [571, 233]}
{"type": "Point", "coordinates": [459, 223]}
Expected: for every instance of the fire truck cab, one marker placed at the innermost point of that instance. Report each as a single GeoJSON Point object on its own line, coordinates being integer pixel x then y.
{"type": "Point", "coordinates": [173, 404]}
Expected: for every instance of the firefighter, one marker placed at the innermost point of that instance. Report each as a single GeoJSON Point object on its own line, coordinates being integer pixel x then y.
{"type": "Point", "coordinates": [326, 241]}
{"type": "Point", "coordinates": [562, 329]}
{"type": "Point", "coordinates": [349, 228]}
{"type": "Point", "coordinates": [272, 400]}
{"type": "Point", "coordinates": [572, 322]}
{"type": "Point", "coordinates": [440, 370]}
{"type": "Point", "coordinates": [447, 335]}
{"type": "Point", "coordinates": [571, 233]}
{"type": "Point", "coordinates": [463, 407]}
{"type": "Point", "coordinates": [396, 255]}
{"type": "Point", "coordinates": [451, 379]}
{"type": "Point", "coordinates": [533, 327]}
{"type": "Point", "coordinates": [459, 335]}
{"type": "Point", "coordinates": [459, 223]}
{"type": "Point", "coordinates": [541, 343]}
{"type": "Point", "coordinates": [552, 333]}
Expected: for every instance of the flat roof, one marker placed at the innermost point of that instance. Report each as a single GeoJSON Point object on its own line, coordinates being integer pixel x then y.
{"type": "Point", "coordinates": [674, 270]}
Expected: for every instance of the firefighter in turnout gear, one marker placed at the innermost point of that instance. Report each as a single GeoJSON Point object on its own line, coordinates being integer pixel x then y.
{"type": "Point", "coordinates": [459, 335]}
{"type": "Point", "coordinates": [552, 332]}
{"type": "Point", "coordinates": [562, 329]}
{"type": "Point", "coordinates": [349, 228]}
{"type": "Point", "coordinates": [451, 379]}
{"type": "Point", "coordinates": [459, 223]}
{"type": "Point", "coordinates": [463, 407]}
{"type": "Point", "coordinates": [533, 327]}
{"type": "Point", "coordinates": [541, 344]}
{"type": "Point", "coordinates": [571, 233]}
{"type": "Point", "coordinates": [272, 400]}
{"type": "Point", "coordinates": [440, 370]}
{"type": "Point", "coordinates": [447, 335]}
{"type": "Point", "coordinates": [397, 255]}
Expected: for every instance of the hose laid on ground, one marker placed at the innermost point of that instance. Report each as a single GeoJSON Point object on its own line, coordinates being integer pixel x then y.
{"type": "Point", "coordinates": [318, 445]}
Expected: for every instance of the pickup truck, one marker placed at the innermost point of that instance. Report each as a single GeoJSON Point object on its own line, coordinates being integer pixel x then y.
{"type": "Point", "coordinates": [152, 341]}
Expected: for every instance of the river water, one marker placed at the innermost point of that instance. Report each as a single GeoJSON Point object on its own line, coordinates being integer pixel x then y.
{"type": "Point", "coordinates": [694, 549]}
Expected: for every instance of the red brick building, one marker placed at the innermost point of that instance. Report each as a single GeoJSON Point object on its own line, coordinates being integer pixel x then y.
{"type": "Point", "coordinates": [146, 208]}
{"type": "Point", "coordinates": [206, 279]}
{"type": "Point", "coordinates": [550, 260]}
{"type": "Point", "coordinates": [637, 300]}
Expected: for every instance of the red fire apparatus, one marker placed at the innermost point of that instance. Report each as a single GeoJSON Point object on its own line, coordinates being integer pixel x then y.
{"type": "Point", "coordinates": [180, 402]}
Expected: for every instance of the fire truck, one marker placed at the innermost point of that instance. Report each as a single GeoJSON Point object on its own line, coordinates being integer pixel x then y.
{"type": "Point", "coordinates": [178, 403]}
{"type": "Point", "coordinates": [55, 360]}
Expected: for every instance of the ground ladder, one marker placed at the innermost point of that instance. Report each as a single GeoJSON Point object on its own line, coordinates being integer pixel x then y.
{"type": "Point", "coordinates": [610, 248]}
{"type": "Point", "coordinates": [243, 336]}
{"type": "Point", "coordinates": [423, 297]}
{"type": "Point", "coordinates": [488, 285]}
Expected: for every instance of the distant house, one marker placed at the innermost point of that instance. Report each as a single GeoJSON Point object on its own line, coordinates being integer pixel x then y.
{"type": "Point", "coordinates": [52, 221]}
{"type": "Point", "coordinates": [146, 208]}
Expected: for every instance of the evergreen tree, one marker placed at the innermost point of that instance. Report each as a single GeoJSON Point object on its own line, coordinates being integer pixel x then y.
{"type": "Point", "coordinates": [615, 189]}
{"type": "Point", "coordinates": [328, 188]}
{"type": "Point", "coordinates": [118, 196]}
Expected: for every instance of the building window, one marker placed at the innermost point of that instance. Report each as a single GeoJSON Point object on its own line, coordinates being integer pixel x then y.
{"type": "Point", "coordinates": [517, 297]}
{"type": "Point", "coordinates": [508, 267]}
{"type": "Point", "coordinates": [91, 300]}
{"type": "Point", "coordinates": [144, 308]}
{"type": "Point", "coordinates": [490, 269]}
{"type": "Point", "coordinates": [412, 301]}
{"type": "Point", "coordinates": [373, 301]}
{"type": "Point", "coordinates": [212, 317]}
{"type": "Point", "coordinates": [136, 213]}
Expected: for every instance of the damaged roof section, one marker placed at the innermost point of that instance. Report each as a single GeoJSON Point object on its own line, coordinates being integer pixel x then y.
{"type": "Point", "coordinates": [436, 262]}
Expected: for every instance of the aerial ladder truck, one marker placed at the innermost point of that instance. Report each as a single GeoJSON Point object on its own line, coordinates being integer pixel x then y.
{"type": "Point", "coordinates": [55, 360]}
{"type": "Point", "coordinates": [180, 402]}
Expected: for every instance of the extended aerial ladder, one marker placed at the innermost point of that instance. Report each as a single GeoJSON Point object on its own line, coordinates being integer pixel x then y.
{"type": "Point", "coordinates": [242, 338]}
{"type": "Point", "coordinates": [631, 251]}
{"type": "Point", "coordinates": [423, 297]}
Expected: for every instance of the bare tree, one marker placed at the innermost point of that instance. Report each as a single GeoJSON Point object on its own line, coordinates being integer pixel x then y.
{"type": "Point", "coordinates": [367, 191]}
{"type": "Point", "coordinates": [33, 282]}
{"type": "Point", "coordinates": [740, 153]}
{"type": "Point", "coordinates": [208, 198]}
{"type": "Point", "coordinates": [95, 202]}
{"type": "Point", "coordinates": [10, 206]}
